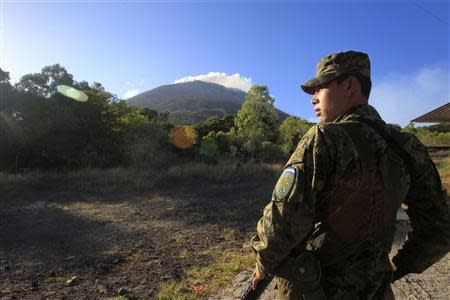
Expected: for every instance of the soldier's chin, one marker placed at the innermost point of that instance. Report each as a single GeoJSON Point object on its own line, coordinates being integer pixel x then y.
{"type": "Point", "coordinates": [319, 115]}
{"type": "Point", "coordinates": [324, 119]}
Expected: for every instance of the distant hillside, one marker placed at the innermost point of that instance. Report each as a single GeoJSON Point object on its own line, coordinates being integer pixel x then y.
{"type": "Point", "coordinates": [195, 101]}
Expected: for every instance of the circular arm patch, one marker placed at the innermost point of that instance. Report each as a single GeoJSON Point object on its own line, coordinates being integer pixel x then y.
{"type": "Point", "coordinates": [285, 184]}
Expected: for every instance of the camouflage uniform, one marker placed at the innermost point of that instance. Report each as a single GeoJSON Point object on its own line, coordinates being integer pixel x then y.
{"type": "Point", "coordinates": [345, 184]}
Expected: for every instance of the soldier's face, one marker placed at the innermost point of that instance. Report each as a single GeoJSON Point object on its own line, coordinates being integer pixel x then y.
{"type": "Point", "coordinates": [330, 101]}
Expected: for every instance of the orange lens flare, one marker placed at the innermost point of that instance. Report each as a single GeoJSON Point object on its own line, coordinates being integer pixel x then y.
{"type": "Point", "coordinates": [183, 136]}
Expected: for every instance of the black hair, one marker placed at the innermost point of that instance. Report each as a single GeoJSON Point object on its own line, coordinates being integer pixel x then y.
{"type": "Point", "coordinates": [364, 82]}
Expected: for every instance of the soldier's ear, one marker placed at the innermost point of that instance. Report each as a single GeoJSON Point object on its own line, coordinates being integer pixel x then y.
{"type": "Point", "coordinates": [351, 82]}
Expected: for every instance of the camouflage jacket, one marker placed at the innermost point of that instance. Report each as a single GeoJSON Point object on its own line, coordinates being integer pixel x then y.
{"type": "Point", "coordinates": [345, 184]}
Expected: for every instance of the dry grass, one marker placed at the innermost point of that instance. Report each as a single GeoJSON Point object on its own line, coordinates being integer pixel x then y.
{"type": "Point", "coordinates": [157, 199]}
{"type": "Point", "coordinates": [99, 180]}
{"type": "Point", "coordinates": [179, 239]}
{"type": "Point", "coordinates": [223, 172]}
{"type": "Point", "coordinates": [446, 182]}
{"type": "Point", "coordinates": [92, 180]}
{"type": "Point", "coordinates": [442, 161]}
{"type": "Point", "coordinates": [230, 234]}
{"type": "Point", "coordinates": [201, 282]}
{"type": "Point", "coordinates": [101, 212]}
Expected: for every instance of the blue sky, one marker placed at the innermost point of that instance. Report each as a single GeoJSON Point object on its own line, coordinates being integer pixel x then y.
{"type": "Point", "coordinates": [134, 46]}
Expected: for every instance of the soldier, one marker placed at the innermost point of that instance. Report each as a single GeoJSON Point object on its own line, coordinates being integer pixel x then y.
{"type": "Point", "coordinates": [340, 192]}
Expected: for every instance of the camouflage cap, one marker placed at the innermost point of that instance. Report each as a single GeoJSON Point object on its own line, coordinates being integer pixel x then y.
{"type": "Point", "coordinates": [335, 65]}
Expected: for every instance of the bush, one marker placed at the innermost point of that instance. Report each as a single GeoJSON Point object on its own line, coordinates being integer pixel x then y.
{"type": "Point", "coordinates": [435, 135]}
{"type": "Point", "coordinates": [270, 152]}
{"type": "Point", "coordinates": [433, 138]}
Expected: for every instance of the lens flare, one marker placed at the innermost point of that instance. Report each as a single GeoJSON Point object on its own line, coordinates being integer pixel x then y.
{"type": "Point", "coordinates": [72, 93]}
{"type": "Point", "coordinates": [209, 147]}
{"type": "Point", "coordinates": [183, 137]}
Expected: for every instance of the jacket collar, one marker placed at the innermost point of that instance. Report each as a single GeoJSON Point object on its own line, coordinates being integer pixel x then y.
{"type": "Point", "coordinates": [360, 111]}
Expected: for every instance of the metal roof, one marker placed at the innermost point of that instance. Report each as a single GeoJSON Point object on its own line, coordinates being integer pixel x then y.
{"type": "Point", "coordinates": [440, 114]}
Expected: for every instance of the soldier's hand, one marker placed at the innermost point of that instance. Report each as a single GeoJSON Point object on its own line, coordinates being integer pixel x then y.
{"type": "Point", "coordinates": [257, 276]}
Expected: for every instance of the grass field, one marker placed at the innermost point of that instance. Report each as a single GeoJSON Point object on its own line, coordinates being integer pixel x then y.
{"type": "Point", "coordinates": [105, 180]}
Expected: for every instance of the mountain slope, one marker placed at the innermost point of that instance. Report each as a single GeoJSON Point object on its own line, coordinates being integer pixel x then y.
{"type": "Point", "coordinates": [195, 101]}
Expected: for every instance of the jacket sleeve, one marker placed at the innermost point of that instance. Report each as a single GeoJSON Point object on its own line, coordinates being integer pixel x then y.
{"type": "Point", "coordinates": [289, 216]}
{"type": "Point", "coordinates": [429, 216]}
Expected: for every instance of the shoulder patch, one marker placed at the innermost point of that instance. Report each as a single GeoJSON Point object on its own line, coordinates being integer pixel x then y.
{"type": "Point", "coordinates": [285, 184]}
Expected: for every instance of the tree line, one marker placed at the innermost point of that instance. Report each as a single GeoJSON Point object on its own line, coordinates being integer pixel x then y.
{"type": "Point", "coordinates": [41, 129]}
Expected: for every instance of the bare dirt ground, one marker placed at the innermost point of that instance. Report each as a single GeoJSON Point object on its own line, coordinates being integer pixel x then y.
{"type": "Point", "coordinates": [65, 244]}
{"type": "Point", "coordinates": [72, 245]}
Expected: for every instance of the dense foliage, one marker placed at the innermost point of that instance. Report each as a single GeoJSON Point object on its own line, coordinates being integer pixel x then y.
{"type": "Point", "coordinates": [42, 129]}
{"type": "Point", "coordinates": [257, 121]}
{"type": "Point", "coordinates": [432, 136]}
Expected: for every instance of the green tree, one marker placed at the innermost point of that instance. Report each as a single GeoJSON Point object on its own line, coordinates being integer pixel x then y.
{"type": "Point", "coordinates": [434, 135]}
{"type": "Point", "coordinates": [213, 124]}
{"type": "Point", "coordinates": [396, 126]}
{"type": "Point", "coordinates": [56, 75]}
{"type": "Point", "coordinates": [261, 93]}
{"type": "Point", "coordinates": [4, 77]}
{"type": "Point", "coordinates": [44, 83]}
{"type": "Point", "coordinates": [6, 89]}
{"type": "Point", "coordinates": [209, 147]}
{"type": "Point", "coordinates": [217, 140]}
{"type": "Point", "coordinates": [24, 119]}
{"type": "Point", "coordinates": [144, 136]}
{"type": "Point", "coordinates": [271, 152]}
{"type": "Point", "coordinates": [35, 84]}
{"type": "Point", "coordinates": [257, 120]}
{"type": "Point", "coordinates": [291, 131]}
{"type": "Point", "coordinates": [410, 128]}
{"type": "Point", "coordinates": [441, 127]}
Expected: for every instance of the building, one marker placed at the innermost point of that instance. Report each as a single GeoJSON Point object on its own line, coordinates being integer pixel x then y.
{"type": "Point", "coordinates": [439, 115]}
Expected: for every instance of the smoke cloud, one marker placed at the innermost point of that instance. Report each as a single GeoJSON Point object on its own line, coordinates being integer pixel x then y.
{"type": "Point", "coordinates": [130, 93]}
{"type": "Point", "coordinates": [232, 81]}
